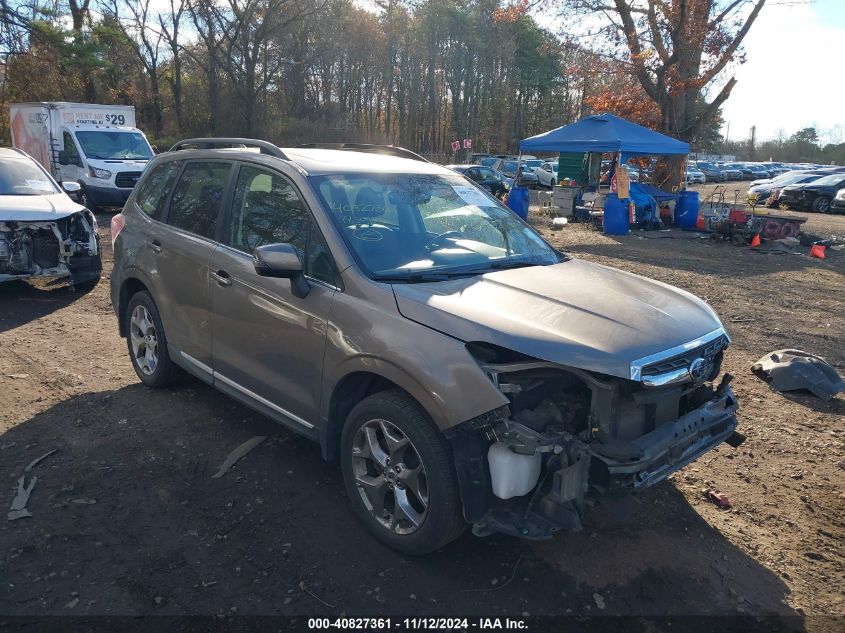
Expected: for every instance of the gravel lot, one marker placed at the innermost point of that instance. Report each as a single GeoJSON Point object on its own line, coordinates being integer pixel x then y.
{"type": "Point", "coordinates": [127, 520]}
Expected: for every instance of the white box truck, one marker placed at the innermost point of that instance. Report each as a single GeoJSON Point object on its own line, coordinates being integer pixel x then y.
{"type": "Point", "coordinates": [97, 146]}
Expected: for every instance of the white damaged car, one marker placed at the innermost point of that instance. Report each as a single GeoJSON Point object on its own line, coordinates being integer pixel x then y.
{"type": "Point", "coordinates": [43, 232]}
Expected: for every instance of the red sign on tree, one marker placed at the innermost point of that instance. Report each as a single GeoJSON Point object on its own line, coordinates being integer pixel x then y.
{"type": "Point", "coordinates": [467, 143]}
{"type": "Point", "coordinates": [456, 145]}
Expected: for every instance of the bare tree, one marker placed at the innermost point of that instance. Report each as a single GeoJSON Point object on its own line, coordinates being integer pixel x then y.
{"type": "Point", "coordinates": [250, 35]}
{"type": "Point", "coordinates": [677, 49]}
{"type": "Point", "coordinates": [170, 25]}
{"type": "Point", "coordinates": [137, 23]}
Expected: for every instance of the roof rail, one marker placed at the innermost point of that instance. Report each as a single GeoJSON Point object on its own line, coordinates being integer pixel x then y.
{"type": "Point", "coordinates": [389, 150]}
{"type": "Point", "coordinates": [208, 143]}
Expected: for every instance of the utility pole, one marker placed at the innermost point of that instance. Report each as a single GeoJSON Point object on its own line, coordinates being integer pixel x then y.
{"type": "Point", "coordinates": [752, 143]}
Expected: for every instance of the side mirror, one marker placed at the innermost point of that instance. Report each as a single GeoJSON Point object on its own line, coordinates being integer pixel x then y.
{"type": "Point", "coordinates": [71, 187]}
{"type": "Point", "coordinates": [281, 261]}
{"type": "Point", "coordinates": [63, 159]}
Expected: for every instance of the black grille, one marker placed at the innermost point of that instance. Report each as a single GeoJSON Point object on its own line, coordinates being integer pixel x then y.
{"type": "Point", "coordinates": [708, 351]}
{"type": "Point", "coordinates": [127, 179]}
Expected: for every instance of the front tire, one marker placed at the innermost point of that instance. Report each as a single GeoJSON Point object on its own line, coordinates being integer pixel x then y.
{"type": "Point", "coordinates": [821, 204]}
{"type": "Point", "coordinates": [147, 342]}
{"type": "Point", "coordinates": [86, 201]}
{"type": "Point", "coordinates": [399, 476]}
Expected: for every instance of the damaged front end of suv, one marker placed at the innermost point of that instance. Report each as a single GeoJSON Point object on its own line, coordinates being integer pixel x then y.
{"type": "Point", "coordinates": [61, 247]}
{"type": "Point", "coordinates": [569, 437]}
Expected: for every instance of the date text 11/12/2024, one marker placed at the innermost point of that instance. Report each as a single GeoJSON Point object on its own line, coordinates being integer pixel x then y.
{"type": "Point", "coordinates": [417, 624]}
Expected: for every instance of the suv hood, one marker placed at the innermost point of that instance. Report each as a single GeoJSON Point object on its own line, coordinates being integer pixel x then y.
{"type": "Point", "coordinates": [37, 208]}
{"type": "Point", "coordinates": [575, 313]}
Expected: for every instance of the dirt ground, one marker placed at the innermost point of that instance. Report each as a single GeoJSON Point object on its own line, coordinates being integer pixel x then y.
{"type": "Point", "coordinates": [128, 521]}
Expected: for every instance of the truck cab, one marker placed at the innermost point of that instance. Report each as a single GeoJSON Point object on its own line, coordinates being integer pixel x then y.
{"type": "Point", "coordinates": [97, 146]}
{"type": "Point", "coordinates": [107, 162]}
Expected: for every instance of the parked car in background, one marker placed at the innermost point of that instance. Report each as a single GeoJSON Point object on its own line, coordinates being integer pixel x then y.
{"type": "Point", "coordinates": [547, 174]}
{"type": "Point", "coordinates": [711, 172]}
{"type": "Point", "coordinates": [528, 178]}
{"type": "Point", "coordinates": [769, 190]}
{"type": "Point", "coordinates": [759, 171]}
{"type": "Point", "coordinates": [731, 172]}
{"type": "Point", "coordinates": [838, 204]}
{"type": "Point", "coordinates": [43, 233]}
{"type": "Point", "coordinates": [777, 169]}
{"type": "Point", "coordinates": [484, 177]}
{"type": "Point", "coordinates": [812, 196]}
{"type": "Point", "coordinates": [460, 369]}
{"type": "Point", "coordinates": [695, 176]}
{"type": "Point", "coordinates": [533, 163]}
{"type": "Point", "coordinates": [506, 180]}
{"type": "Point", "coordinates": [745, 172]}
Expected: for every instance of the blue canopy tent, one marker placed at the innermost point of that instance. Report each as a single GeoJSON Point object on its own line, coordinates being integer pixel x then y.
{"type": "Point", "coordinates": [606, 133]}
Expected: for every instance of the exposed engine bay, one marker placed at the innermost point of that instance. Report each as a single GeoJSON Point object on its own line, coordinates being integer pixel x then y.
{"type": "Point", "coordinates": [62, 247]}
{"type": "Point", "coordinates": [571, 437]}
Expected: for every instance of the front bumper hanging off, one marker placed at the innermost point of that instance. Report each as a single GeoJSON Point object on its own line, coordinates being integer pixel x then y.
{"type": "Point", "coordinates": [670, 447]}
{"type": "Point", "coordinates": [603, 471]}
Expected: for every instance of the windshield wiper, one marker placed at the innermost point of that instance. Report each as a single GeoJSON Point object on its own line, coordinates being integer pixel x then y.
{"type": "Point", "coordinates": [423, 277]}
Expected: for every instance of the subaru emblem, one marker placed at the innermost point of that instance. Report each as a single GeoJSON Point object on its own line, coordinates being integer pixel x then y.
{"type": "Point", "coordinates": [698, 369]}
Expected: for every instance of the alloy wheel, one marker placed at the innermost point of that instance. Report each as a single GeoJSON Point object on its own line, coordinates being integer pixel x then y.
{"type": "Point", "coordinates": [390, 476]}
{"type": "Point", "coordinates": [144, 339]}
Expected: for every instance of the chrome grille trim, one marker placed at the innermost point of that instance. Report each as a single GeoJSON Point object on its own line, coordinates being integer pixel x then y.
{"type": "Point", "coordinates": [640, 364]}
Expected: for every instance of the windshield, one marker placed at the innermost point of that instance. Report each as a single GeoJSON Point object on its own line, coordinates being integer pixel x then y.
{"type": "Point", "coordinates": [427, 227]}
{"type": "Point", "coordinates": [790, 179]}
{"type": "Point", "coordinates": [109, 145]}
{"type": "Point", "coordinates": [21, 177]}
{"type": "Point", "coordinates": [533, 163]}
{"type": "Point", "coordinates": [833, 179]}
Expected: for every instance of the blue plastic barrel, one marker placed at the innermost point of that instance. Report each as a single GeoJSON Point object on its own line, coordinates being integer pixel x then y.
{"type": "Point", "coordinates": [615, 216]}
{"type": "Point", "coordinates": [686, 210]}
{"type": "Point", "coordinates": [518, 201]}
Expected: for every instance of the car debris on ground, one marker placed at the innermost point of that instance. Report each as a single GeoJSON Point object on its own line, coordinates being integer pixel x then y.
{"type": "Point", "coordinates": [792, 369]}
{"type": "Point", "coordinates": [18, 509]}
{"type": "Point", "coordinates": [718, 498]}
{"type": "Point", "coordinates": [237, 454]}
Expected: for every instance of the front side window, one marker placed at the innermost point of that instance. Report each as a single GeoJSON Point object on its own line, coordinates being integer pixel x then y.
{"type": "Point", "coordinates": [197, 197]}
{"type": "Point", "coordinates": [428, 224]}
{"type": "Point", "coordinates": [112, 145]}
{"type": "Point", "coordinates": [70, 148]}
{"type": "Point", "coordinates": [266, 209]}
{"type": "Point", "coordinates": [152, 194]}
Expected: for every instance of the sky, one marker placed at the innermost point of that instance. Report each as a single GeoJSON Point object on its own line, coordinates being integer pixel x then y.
{"type": "Point", "coordinates": [793, 74]}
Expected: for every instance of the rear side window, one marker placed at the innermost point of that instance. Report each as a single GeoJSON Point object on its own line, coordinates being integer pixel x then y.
{"type": "Point", "coordinates": [152, 194]}
{"type": "Point", "coordinates": [197, 197]}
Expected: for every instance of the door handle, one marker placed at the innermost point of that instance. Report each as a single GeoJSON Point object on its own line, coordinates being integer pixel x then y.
{"type": "Point", "coordinates": [155, 247]}
{"type": "Point", "coordinates": [222, 278]}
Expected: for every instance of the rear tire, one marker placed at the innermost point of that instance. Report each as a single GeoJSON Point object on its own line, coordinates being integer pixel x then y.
{"type": "Point", "coordinates": [147, 342]}
{"type": "Point", "coordinates": [399, 475]}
